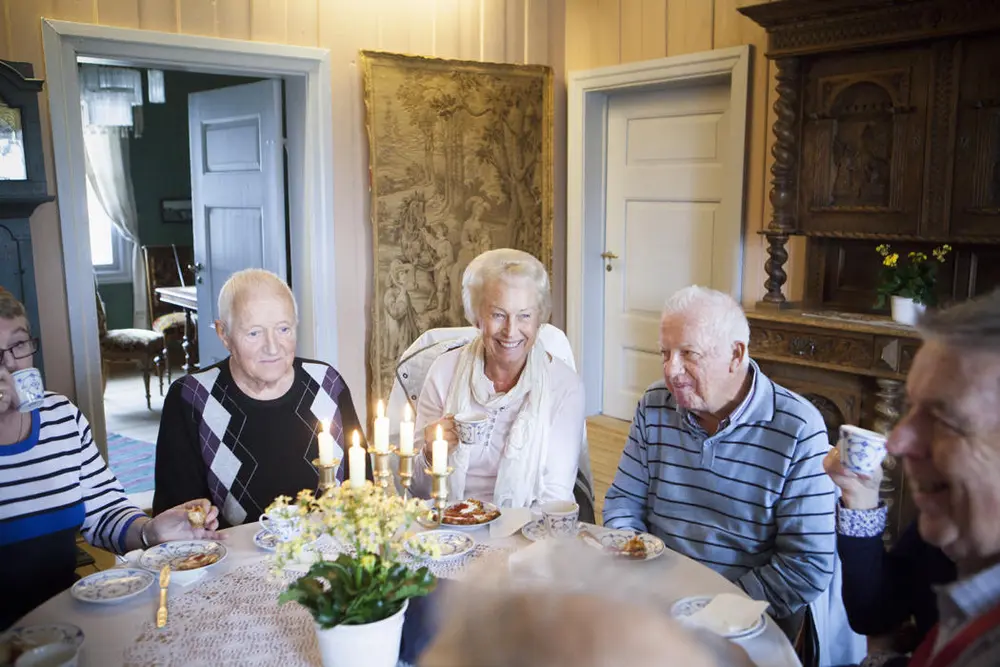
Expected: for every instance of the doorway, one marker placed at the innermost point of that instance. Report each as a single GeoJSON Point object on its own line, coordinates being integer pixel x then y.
{"type": "Point", "coordinates": [655, 189]}
{"type": "Point", "coordinates": [305, 75]}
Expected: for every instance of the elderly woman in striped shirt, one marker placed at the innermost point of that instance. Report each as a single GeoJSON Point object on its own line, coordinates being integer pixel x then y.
{"type": "Point", "coordinates": [53, 483]}
{"type": "Point", "coordinates": [725, 465]}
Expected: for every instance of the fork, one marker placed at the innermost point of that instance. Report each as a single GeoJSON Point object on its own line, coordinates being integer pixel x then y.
{"type": "Point", "coordinates": [161, 613]}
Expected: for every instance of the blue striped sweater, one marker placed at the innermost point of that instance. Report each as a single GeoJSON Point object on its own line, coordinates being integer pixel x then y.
{"type": "Point", "coordinates": [751, 502]}
{"type": "Point", "coordinates": [53, 484]}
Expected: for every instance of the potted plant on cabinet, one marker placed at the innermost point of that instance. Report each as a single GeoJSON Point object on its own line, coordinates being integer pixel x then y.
{"type": "Point", "coordinates": [908, 284]}
{"type": "Point", "coordinates": [358, 600]}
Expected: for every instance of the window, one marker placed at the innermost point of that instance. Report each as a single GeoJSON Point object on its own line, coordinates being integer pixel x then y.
{"type": "Point", "coordinates": [108, 250]}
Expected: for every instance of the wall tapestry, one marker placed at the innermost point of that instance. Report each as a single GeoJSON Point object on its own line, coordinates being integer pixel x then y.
{"type": "Point", "coordinates": [461, 162]}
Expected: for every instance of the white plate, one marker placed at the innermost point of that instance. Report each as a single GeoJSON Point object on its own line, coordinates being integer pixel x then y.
{"type": "Point", "coordinates": [536, 530]}
{"type": "Point", "coordinates": [173, 553]}
{"type": "Point", "coordinates": [451, 526]}
{"type": "Point", "coordinates": [268, 541]}
{"type": "Point", "coordinates": [616, 539]}
{"type": "Point", "coordinates": [687, 606]}
{"type": "Point", "coordinates": [38, 635]}
{"type": "Point", "coordinates": [451, 543]}
{"type": "Point", "coordinates": [112, 586]}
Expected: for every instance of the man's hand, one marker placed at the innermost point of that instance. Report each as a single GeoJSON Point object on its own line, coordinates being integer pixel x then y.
{"type": "Point", "coordinates": [859, 492]}
{"type": "Point", "coordinates": [174, 524]}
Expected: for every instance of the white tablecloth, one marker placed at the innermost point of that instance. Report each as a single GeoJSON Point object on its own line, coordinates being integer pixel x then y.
{"type": "Point", "coordinates": [111, 629]}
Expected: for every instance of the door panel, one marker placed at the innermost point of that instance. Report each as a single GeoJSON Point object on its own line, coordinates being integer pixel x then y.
{"type": "Point", "coordinates": [237, 192]}
{"type": "Point", "coordinates": [666, 156]}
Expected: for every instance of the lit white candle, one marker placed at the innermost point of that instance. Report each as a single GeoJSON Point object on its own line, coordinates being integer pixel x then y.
{"type": "Point", "coordinates": [406, 432]}
{"type": "Point", "coordinates": [356, 461]}
{"type": "Point", "coordinates": [439, 452]}
{"type": "Point", "coordinates": [325, 441]}
{"type": "Point", "coordinates": [381, 429]}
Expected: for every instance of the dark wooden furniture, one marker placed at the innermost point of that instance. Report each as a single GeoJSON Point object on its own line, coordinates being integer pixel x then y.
{"type": "Point", "coordinates": [887, 130]}
{"type": "Point", "coordinates": [185, 297]}
{"type": "Point", "coordinates": [22, 184]}
{"type": "Point", "coordinates": [167, 266]}
{"type": "Point", "coordinates": [141, 347]}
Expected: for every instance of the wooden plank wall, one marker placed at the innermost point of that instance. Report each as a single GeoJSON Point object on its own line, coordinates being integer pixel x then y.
{"type": "Point", "coordinates": [519, 31]}
{"type": "Point", "coordinates": [600, 33]}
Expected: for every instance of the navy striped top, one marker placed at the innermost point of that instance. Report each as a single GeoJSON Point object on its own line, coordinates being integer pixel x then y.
{"type": "Point", "coordinates": [751, 501]}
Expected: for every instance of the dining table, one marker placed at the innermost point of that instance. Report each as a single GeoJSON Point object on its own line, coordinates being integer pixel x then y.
{"type": "Point", "coordinates": [231, 615]}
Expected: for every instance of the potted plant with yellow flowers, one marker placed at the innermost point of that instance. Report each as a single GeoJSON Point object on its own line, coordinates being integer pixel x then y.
{"type": "Point", "coordinates": [357, 600]}
{"type": "Point", "coordinates": [908, 284]}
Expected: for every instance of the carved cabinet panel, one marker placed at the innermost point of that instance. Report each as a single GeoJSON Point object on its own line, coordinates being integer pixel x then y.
{"type": "Point", "coordinates": [808, 346]}
{"type": "Point", "coordinates": [863, 142]}
{"type": "Point", "coordinates": [976, 200]}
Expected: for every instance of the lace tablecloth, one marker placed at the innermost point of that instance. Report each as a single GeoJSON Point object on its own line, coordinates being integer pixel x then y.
{"type": "Point", "coordinates": [235, 619]}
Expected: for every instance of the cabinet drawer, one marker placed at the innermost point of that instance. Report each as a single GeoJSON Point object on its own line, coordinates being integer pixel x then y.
{"type": "Point", "coordinates": [854, 352]}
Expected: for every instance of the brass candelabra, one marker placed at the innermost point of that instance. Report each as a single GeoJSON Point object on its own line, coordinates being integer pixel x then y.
{"type": "Point", "coordinates": [327, 474]}
{"type": "Point", "coordinates": [380, 467]}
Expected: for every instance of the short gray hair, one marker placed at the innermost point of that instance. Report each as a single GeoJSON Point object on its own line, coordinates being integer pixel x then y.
{"type": "Point", "coordinates": [502, 264]}
{"type": "Point", "coordinates": [722, 317]}
{"type": "Point", "coordinates": [244, 285]}
{"type": "Point", "coordinates": [973, 324]}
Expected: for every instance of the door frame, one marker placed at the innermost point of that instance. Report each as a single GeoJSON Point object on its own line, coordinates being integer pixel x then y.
{"type": "Point", "coordinates": [309, 142]}
{"type": "Point", "coordinates": [588, 96]}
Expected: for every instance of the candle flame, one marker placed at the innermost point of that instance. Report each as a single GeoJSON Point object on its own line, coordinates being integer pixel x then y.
{"type": "Point", "coordinates": [440, 433]}
{"type": "Point", "coordinates": [356, 438]}
{"type": "Point", "coordinates": [380, 409]}
{"type": "Point", "coordinates": [407, 416]}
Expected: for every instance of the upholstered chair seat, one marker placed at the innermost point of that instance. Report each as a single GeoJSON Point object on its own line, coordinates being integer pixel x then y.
{"type": "Point", "coordinates": [142, 347]}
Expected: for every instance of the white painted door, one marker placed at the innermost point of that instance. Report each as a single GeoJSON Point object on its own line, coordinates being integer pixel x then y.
{"type": "Point", "coordinates": [666, 222]}
{"type": "Point", "coordinates": [237, 193]}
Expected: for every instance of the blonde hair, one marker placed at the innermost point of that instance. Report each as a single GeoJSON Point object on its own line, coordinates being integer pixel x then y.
{"type": "Point", "coordinates": [244, 285]}
{"type": "Point", "coordinates": [10, 307]}
{"type": "Point", "coordinates": [504, 264]}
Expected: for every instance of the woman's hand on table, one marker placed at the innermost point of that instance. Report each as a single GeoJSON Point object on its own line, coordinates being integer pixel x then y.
{"type": "Point", "coordinates": [176, 523]}
{"type": "Point", "coordinates": [859, 492]}
{"type": "Point", "coordinates": [449, 431]}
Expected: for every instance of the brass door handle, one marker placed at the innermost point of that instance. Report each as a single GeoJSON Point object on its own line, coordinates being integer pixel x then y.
{"type": "Point", "coordinates": [608, 256]}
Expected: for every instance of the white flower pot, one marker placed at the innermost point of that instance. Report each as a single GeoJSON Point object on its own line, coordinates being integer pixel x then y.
{"type": "Point", "coordinates": [370, 645]}
{"type": "Point", "coordinates": [906, 311]}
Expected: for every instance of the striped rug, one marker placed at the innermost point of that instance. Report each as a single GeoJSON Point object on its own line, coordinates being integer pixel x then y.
{"type": "Point", "coordinates": [132, 462]}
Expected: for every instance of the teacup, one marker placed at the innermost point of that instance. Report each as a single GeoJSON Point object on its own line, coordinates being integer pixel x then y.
{"type": "Point", "coordinates": [49, 655]}
{"type": "Point", "coordinates": [283, 522]}
{"type": "Point", "coordinates": [560, 517]}
{"type": "Point", "coordinates": [861, 450]}
{"type": "Point", "coordinates": [472, 428]}
{"type": "Point", "coordinates": [29, 389]}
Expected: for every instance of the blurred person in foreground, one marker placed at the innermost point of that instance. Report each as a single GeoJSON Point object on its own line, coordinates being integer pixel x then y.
{"type": "Point", "coordinates": [500, 619]}
{"type": "Point", "coordinates": [949, 441]}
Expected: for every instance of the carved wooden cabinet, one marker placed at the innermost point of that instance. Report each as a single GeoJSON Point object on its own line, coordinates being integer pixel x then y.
{"type": "Point", "coordinates": [887, 130]}
{"type": "Point", "coordinates": [863, 141]}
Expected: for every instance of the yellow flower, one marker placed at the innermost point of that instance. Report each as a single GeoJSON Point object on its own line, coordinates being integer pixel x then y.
{"type": "Point", "coordinates": [940, 253]}
{"type": "Point", "coordinates": [368, 562]}
{"type": "Point", "coordinates": [891, 260]}
{"type": "Point", "coordinates": [883, 249]}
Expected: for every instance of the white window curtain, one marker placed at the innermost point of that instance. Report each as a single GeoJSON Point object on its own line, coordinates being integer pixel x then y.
{"type": "Point", "coordinates": [108, 173]}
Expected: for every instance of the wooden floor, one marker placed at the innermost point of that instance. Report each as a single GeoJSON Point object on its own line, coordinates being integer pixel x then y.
{"type": "Point", "coordinates": [606, 437]}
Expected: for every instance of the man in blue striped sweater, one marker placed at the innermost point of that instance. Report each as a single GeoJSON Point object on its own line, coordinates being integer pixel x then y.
{"type": "Point", "coordinates": [725, 465]}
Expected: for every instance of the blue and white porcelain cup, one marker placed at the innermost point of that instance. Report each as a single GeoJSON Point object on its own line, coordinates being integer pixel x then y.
{"type": "Point", "coordinates": [861, 450]}
{"type": "Point", "coordinates": [29, 389]}
{"type": "Point", "coordinates": [560, 517]}
{"type": "Point", "coordinates": [472, 427]}
{"type": "Point", "coordinates": [283, 522]}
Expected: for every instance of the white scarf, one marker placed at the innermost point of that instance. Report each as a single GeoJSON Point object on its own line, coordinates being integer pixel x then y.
{"type": "Point", "coordinates": [519, 478]}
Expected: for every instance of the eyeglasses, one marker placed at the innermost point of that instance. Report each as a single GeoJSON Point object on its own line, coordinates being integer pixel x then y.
{"type": "Point", "coordinates": [20, 350]}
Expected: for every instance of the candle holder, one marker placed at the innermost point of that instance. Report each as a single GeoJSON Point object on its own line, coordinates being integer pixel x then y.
{"type": "Point", "coordinates": [327, 474]}
{"type": "Point", "coordinates": [380, 467]}
{"type": "Point", "coordinates": [439, 493]}
{"type": "Point", "coordinates": [406, 471]}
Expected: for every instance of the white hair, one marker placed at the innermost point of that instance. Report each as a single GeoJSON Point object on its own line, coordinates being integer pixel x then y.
{"type": "Point", "coordinates": [720, 316]}
{"type": "Point", "coordinates": [244, 285]}
{"type": "Point", "coordinates": [504, 264]}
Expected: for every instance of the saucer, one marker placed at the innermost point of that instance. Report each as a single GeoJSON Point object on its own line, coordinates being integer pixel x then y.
{"type": "Point", "coordinates": [177, 555]}
{"type": "Point", "coordinates": [30, 636]}
{"type": "Point", "coordinates": [536, 530]}
{"type": "Point", "coordinates": [451, 544]}
{"type": "Point", "coordinates": [112, 586]}
{"type": "Point", "coordinates": [687, 606]}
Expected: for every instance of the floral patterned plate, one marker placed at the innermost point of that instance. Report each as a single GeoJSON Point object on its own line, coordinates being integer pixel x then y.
{"type": "Point", "coordinates": [183, 556]}
{"type": "Point", "coordinates": [614, 542]}
{"type": "Point", "coordinates": [112, 586]}
{"type": "Point", "coordinates": [268, 541]}
{"type": "Point", "coordinates": [450, 544]}
{"type": "Point", "coordinates": [684, 608]}
{"type": "Point", "coordinates": [22, 639]}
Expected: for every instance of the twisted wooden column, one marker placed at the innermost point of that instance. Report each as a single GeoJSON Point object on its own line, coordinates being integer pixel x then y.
{"type": "Point", "coordinates": [784, 179]}
{"type": "Point", "coordinates": [888, 404]}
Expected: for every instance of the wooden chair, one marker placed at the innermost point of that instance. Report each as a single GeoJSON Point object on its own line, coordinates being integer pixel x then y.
{"type": "Point", "coordinates": [139, 346]}
{"type": "Point", "coordinates": [167, 266]}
